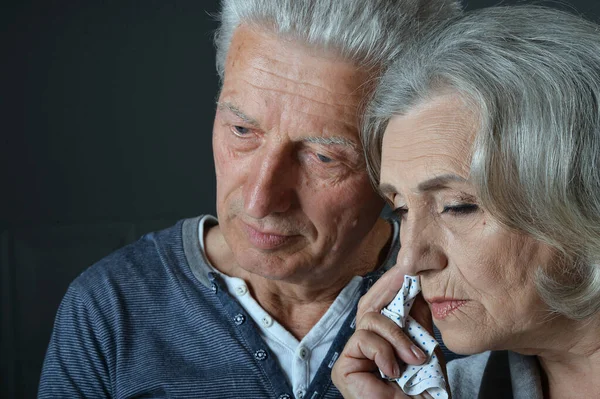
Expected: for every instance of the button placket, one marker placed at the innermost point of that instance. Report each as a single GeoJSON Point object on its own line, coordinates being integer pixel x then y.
{"type": "Point", "coordinates": [260, 354]}
{"type": "Point", "coordinates": [267, 321]}
{"type": "Point", "coordinates": [239, 319]}
{"type": "Point", "coordinates": [241, 290]}
{"type": "Point", "coordinates": [303, 353]}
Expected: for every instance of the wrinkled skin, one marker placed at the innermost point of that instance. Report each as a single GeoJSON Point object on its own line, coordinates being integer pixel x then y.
{"type": "Point", "coordinates": [461, 254]}
{"type": "Point", "coordinates": [298, 217]}
{"type": "Point", "coordinates": [378, 343]}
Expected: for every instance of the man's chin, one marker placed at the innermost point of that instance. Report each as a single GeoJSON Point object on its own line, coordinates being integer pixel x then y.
{"type": "Point", "coordinates": [277, 265]}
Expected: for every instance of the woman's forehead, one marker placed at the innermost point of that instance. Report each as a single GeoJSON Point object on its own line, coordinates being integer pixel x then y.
{"type": "Point", "coordinates": [435, 137]}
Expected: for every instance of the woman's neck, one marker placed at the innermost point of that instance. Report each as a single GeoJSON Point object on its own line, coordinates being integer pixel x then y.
{"type": "Point", "coordinates": [572, 364]}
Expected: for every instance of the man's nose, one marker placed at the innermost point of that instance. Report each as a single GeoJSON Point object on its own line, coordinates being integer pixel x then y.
{"type": "Point", "coordinates": [270, 184]}
{"type": "Point", "coordinates": [421, 245]}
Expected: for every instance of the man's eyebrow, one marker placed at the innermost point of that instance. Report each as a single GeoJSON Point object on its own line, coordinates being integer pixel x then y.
{"type": "Point", "coordinates": [237, 112]}
{"type": "Point", "coordinates": [335, 140]}
{"type": "Point", "coordinates": [435, 183]}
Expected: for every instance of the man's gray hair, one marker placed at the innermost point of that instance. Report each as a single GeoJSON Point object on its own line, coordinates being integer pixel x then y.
{"type": "Point", "coordinates": [532, 75]}
{"type": "Point", "coordinates": [367, 32]}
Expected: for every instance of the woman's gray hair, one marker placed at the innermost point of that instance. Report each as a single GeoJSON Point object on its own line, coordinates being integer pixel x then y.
{"type": "Point", "coordinates": [367, 32]}
{"type": "Point", "coordinates": [533, 76]}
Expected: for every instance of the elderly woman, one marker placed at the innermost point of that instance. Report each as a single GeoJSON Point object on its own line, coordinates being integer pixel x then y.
{"type": "Point", "coordinates": [485, 140]}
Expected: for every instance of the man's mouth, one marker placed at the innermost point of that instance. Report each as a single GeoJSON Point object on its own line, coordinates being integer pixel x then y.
{"type": "Point", "coordinates": [266, 239]}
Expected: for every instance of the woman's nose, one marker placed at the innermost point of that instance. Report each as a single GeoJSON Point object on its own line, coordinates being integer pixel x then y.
{"type": "Point", "coordinates": [420, 245]}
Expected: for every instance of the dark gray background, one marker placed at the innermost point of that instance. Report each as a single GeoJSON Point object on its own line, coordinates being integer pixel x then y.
{"type": "Point", "coordinates": [107, 111]}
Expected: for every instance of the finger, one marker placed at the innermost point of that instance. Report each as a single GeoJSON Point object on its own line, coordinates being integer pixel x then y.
{"type": "Point", "coordinates": [404, 348]}
{"type": "Point", "coordinates": [426, 395]}
{"type": "Point", "coordinates": [365, 386]}
{"type": "Point", "coordinates": [382, 292]}
{"type": "Point", "coordinates": [367, 352]}
{"type": "Point", "coordinates": [355, 379]}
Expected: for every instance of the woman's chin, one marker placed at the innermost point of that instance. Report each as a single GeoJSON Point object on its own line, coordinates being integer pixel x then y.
{"type": "Point", "coordinates": [464, 344]}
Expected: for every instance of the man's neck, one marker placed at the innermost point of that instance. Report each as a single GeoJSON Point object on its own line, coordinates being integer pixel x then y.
{"type": "Point", "coordinates": [298, 306]}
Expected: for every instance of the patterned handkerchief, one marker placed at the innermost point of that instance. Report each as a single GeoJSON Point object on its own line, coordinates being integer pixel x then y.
{"type": "Point", "coordinates": [428, 376]}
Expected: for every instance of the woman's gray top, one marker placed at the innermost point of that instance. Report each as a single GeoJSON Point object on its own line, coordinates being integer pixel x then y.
{"type": "Point", "coordinates": [495, 375]}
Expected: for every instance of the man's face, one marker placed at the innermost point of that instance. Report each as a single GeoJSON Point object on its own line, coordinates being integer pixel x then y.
{"type": "Point", "coordinates": [293, 197]}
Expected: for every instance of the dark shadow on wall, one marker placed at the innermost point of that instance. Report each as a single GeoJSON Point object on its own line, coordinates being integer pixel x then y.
{"type": "Point", "coordinates": [107, 110]}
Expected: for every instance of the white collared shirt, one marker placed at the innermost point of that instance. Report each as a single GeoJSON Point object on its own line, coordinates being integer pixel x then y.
{"type": "Point", "coordinates": [298, 359]}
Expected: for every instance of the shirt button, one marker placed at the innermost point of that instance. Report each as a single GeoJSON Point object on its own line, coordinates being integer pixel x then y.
{"type": "Point", "coordinates": [267, 321]}
{"type": "Point", "coordinates": [213, 286]}
{"type": "Point", "coordinates": [300, 394]}
{"type": "Point", "coordinates": [303, 353]}
{"type": "Point", "coordinates": [241, 290]}
{"type": "Point", "coordinates": [239, 319]}
{"type": "Point", "coordinates": [260, 354]}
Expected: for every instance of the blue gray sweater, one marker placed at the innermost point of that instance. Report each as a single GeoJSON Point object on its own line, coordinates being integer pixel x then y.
{"type": "Point", "coordinates": [151, 320]}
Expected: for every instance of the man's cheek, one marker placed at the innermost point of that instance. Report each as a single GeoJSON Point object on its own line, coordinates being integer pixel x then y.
{"type": "Point", "coordinates": [332, 214]}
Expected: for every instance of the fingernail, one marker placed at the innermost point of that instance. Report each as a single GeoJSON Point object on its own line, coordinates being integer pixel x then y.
{"type": "Point", "coordinates": [396, 371]}
{"type": "Point", "coordinates": [418, 352]}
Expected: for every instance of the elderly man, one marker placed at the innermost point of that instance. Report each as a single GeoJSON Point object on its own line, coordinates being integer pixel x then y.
{"type": "Point", "coordinates": [259, 303]}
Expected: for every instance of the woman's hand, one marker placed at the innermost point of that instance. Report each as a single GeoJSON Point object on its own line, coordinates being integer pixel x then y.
{"type": "Point", "coordinates": [377, 344]}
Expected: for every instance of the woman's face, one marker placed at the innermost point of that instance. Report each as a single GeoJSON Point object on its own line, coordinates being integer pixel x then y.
{"type": "Point", "coordinates": [476, 276]}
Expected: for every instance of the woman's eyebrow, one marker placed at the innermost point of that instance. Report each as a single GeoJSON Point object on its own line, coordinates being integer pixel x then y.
{"type": "Point", "coordinates": [439, 182]}
{"type": "Point", "coordinates": [433, 184]}
{"type": "Point", "coordinates": [386, 189]}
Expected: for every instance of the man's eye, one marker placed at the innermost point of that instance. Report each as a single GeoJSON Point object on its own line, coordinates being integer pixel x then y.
{"type": "Point", "coordinates": [240, 130]}
{"type": "Point", "coordinates": [324, 159]}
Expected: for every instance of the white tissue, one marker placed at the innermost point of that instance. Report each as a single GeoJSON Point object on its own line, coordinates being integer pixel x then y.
{"type": "Point", "coordinates": [428, 376]}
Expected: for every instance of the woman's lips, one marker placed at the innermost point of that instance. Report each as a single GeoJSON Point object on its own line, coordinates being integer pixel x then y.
{"type": "Point", "coordinates": [264, 240]}
{"type": "Point", "coordinates": [442, 308]}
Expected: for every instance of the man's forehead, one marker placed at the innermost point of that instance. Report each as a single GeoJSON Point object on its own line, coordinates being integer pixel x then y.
{"type": "Point", "coordinates": [275, 83]}
{"type": "Point", "coordinates": [290, 63]}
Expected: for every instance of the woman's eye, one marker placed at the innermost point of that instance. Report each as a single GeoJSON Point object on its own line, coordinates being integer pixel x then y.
{"type": "Point", "coordinates": [324, 159]}
{"type": "Point", "coordinates": [399, 212]}
{"type": "Point", "coordinates": [463, 209]}
{"type": "Point", "coordinates": [240, 130]}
